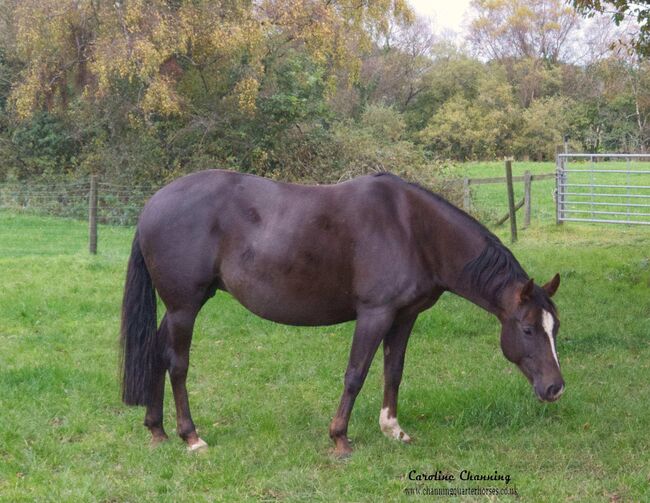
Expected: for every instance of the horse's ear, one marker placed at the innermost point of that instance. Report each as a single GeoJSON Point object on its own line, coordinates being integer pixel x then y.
{"type": "Point", "coordinates": [526, 291]}
{"type": "Point", "coordinates": [552, 286]}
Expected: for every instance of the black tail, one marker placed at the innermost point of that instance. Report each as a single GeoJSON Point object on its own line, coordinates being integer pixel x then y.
{"type": "Point", "coordinates": [141, 352]}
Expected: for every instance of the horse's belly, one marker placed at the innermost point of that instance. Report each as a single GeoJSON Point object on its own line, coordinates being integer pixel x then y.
{"type": "Point", "coordinates": [299, 298]}
{"type": "Point", "coordinates": [285, 307]}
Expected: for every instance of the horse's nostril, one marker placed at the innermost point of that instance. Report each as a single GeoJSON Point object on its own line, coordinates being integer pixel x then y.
{"type": "Point", "coordinates": [553, 390]}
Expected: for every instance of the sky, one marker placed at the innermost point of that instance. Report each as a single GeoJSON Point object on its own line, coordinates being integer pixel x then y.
{"type": "Point", "coordinates": [446, 14]}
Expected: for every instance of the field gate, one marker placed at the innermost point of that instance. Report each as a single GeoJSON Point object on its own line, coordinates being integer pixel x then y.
{"type": "Point", "coordinates": [605, 188]}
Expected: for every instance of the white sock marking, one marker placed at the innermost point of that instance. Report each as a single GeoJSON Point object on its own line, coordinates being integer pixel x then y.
{"type": "Point", "coordinates": [390, 427]}
{"type": "Point", "coordinates": [199, 445]}
{"type": "Point", "coordinates": [548, 323]}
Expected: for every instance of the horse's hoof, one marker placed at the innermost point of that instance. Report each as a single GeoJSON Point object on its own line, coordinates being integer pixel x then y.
{"type": "Point", "coordinates": [400, 435]}
{"type": "Point", "coordinates": [342, 450]}
{"type": "Point", "coordinates": [156, 440]}
{"type": "Point", "coordinates": [198, 446]}
{"type": "Point", "coordinates": [342, 453]}
{"type": "Point", "coordinates": [391, 428]}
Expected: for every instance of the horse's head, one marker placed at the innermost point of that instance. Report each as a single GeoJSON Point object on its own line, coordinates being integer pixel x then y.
{"type": "Point", "coordinates": [528, 338]}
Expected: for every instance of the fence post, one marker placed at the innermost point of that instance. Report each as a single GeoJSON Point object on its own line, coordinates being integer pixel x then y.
{"type": "Point", "coordinates": [527, 203]}
{"type": "Point", "coordinates": [511, 202]}
{"type": "Point", "coordinates": [467, 197]}
{"type": "Point", "coordinates": [92, 216]}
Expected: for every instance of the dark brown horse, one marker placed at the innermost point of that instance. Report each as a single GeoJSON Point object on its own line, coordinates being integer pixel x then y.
{"type": "Point", "coordinates": [376, 249]}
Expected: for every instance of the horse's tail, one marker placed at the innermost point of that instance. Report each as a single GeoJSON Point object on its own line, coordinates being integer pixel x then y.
{"type": "Point", "coordinates": [141, 351]}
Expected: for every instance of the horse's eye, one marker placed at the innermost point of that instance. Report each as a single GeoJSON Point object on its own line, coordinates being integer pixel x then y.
{"type": "Point", "coordinates": [528, 330]}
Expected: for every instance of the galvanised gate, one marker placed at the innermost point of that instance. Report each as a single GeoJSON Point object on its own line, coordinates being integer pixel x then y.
{"type": "Point", "coordinates": [606, 188]}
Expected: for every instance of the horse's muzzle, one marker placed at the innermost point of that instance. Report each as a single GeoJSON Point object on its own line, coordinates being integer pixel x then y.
{"type": "Point", "coordinates": [551, 394]}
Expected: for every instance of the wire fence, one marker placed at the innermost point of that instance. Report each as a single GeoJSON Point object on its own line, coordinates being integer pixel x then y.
{"type": "Point", "coordinates": [56, 198]}
{"type": "Point", "coordinates": [117, 204]}
{"type": "Point", "coordinates": [120, 204]}
{"type": "Point", "coordinates": [103, 202]}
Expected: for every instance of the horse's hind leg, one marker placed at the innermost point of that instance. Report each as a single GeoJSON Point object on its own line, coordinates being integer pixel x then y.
{"type": "Point", "coordinates": [180, 325]}
{"type": "Point", "coordinates": [368, 333]}
{"type": "Point", "coordinates": [153, 418]}
{"type": "Point", "coordinates": [394, 351]}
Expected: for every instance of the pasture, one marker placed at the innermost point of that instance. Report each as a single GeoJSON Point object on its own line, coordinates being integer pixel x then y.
{"type": "Point", "coordinates": [263, 394]}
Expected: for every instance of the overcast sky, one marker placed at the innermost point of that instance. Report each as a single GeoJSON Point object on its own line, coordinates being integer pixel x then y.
{"type": "Point", "coordinates": [446, 14]}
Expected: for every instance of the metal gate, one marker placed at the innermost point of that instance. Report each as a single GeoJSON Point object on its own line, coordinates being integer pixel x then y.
{"type": "Point", "coordinates": [606, 188]}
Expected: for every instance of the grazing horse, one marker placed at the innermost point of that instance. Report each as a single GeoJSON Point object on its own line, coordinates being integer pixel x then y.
{"type": "Point", "coordinates": [376, 249]}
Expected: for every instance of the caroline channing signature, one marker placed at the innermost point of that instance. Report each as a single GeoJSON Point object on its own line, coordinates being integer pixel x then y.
{"type": "Point", "coordinates": [462, 475]}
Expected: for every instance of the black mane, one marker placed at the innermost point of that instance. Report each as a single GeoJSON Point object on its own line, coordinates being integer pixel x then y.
{"type": "Point", "coordinates": [494, 268]}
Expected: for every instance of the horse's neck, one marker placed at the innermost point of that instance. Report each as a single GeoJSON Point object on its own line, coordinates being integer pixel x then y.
{"type": "Point", "coordinates": [498, 304]}
{"type": "Point", "coordinates": [498, 300]}
{"type": "Point", "coordinates": [456, 243]}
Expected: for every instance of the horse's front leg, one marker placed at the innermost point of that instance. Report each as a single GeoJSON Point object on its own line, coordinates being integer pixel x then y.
{"type": "Point", "coordinates": [372, 325]}
{"type": "Point", "coordinates": [394, 350]}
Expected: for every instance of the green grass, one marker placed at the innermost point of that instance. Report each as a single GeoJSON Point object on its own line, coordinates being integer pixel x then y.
{"type": "Point", "coordinates": [263, 394]}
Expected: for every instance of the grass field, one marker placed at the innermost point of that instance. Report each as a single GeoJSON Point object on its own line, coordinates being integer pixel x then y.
{"type": "Point", "coordinates": [263, 394]}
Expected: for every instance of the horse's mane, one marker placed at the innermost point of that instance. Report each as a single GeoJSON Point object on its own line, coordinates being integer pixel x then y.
{"type": "Point", "coordinates": [494, 268]}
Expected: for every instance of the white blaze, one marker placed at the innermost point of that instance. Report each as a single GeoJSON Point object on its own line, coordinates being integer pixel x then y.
{"type": "Point", "coordinates": [390, 427]}
{"type": "Point", "coordinates": [548, 323]}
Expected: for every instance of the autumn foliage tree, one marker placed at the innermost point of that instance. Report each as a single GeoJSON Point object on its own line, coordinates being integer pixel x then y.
{"type": "Point", "coordinates": [539, 29]}
{"type": "Point", "coordinates": [621, 11]}
{"type": "Point", "coordinates": [317, 90]}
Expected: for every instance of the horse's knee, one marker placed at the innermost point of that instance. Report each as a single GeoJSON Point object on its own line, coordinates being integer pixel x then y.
{"type": "Point", "coordinates": [353, 382]}
{"type": "Point", "coordinates": [178, 367]}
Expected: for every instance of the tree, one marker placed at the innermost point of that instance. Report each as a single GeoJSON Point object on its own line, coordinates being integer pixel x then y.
{"type": "Point", "coordinates": [533, 78]}
{"type": "Point", "coordinates": [193, 82]}
{"type": "Point", "coordinates": [522, 29]}
{"type": "Point", "coordinates": [620, 10]}
{"type": "Point", "coordinates": [395, 73]}
{"type": "Point", "coordinates": [376, 143]}
{"type": "Point", "coordinates": [479, 128]}
{"type": "Point", "coordinates": [451, 73]}
{"type": "Point", "coordinates": [544, 124]}
{"type": "Point", "coordinates": [153, 44]}
{"type": "Point", "coordinates": [610, 104]}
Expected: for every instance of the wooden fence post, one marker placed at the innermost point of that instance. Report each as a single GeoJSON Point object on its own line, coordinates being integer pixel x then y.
{"type": "Point", "coordinates": [511, 202]}
{"type": "Point", "coordinates": [527, 203]}
{"type": "Point", "coordinates": [92, 216]}
{"type": "Point", "coordinates": [467, 197]}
